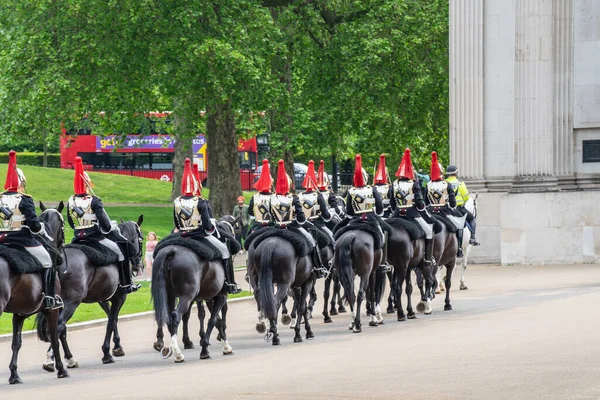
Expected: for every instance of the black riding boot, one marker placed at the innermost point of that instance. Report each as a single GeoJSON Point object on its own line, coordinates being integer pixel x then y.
{"type": "Point", "coordinates": [459, 236]}
{"type": "Point", "coordinates": [232, 287]}
{"type": "Point", "coordinates": [473, 240]}
{"type": "Point", "coordinates": [385, 266]}
{"type": "Point", "coordinates": [51, 300]}
{"type": "Point", "coordinates": [126, 282]}
{"type": "Point", "coordinates": [429, 252]}
{"type": "Point", "coordinates": [320, 270]}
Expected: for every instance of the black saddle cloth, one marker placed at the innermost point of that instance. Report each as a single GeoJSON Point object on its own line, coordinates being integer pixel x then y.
{"type": "Point", "coordinates": [409, 225]}
{"type": "Point", "coordinates": [369, 226]}
{"type": "Point", "coordinates": [98, 254]}
{"type": "Point", "coordinates": [297, 240]}
{"type": "Point", "coordinates": [441, 218]}
{"type": "Point", "coordinates": [20, 261]}
{"type": "Point", "coordinates": [320, 237]}
{"type": "Point", "coordinates": [234, 245]}
{"type": "Point", "coordinates": [201, 247]}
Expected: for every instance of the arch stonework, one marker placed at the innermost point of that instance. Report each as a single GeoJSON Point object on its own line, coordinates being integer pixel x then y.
{"type": "Point", "coordinates": [524, 108]}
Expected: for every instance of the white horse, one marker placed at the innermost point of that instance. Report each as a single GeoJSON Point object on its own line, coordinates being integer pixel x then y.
{"type": "Point", "coordinates": [471, 206]}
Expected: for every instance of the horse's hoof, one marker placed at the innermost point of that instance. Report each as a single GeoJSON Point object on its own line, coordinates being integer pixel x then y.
{"type": "Point", "coordinates": [438, 291]}
{"type": "Point", "coordinates": [463, 287]}
{"type": "Point", "coordinates": [189, 346]}
{"type": "Point", "coordinates": [412, 316]}
{"type": "Point", "coordinates": [48, 367]}
{"type": "Point", "coordinates": [310, 335]}
{"type": "Point", "coordinates": [357, 329]}
{"type": "Point", "coordinates": [327, 320]}
{"type": "Point", "coordinates": [390, 310]}
{"type": "Point", "coordinates": [297, 339]}
{"type": "Point", "coordinates": [421, 307]}
{"type": "Point", "coordinates": [166, 352]}
{"type": "Point", "coordinates": [382, 322]}
{"type": "Point", "coordinates": [72, 363]}
{"type": "Point", "coordinates": [15, 380]}
{"type": "Point", "coordinates": [310, 315]}
{"type": "Point", "coordinates": [276, 342]}
{"type": "Point", "coordinates": [118, 352]}
{"type": "Point", "coordinates": [62, 374]}
{"type": "Point", "coordinates": [205, 356]}
{"type": "Point", "coordinates": [108, 360]}
{"type": "Point", "coordinates": [261, 327]}
{"type": "Point", "coordinates": [373, 323]}
{"type": "Point", "coordinates": [179, 360]}
{"type": "Point", "coordinates": [402, 318]}
{"type": "Point", "coordinates": [447, 307]}
{"type": "Point", "coordinates": [333, 311]}
{"type": "Point", "coordinates": [286, 319]}
{"type": "Point", "coordinates": [158, 346]}
{"type": "Point", "coordinates": [342, 309]}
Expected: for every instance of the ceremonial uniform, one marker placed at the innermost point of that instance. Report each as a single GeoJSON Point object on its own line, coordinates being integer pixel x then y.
{"type": "Point", "coordinates": [18, 225]}
{"type": "Point", "coordinates": [260, 203]}
{"type": "Point", "coordinates": [462, 196]}
{"type": "Point", "coordinates": [87, 217]}
{"type": "Point", "coordinates": [324, 188]}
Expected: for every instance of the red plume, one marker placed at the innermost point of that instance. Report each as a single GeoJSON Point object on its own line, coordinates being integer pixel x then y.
{"type": "Point", "coordinates": [282, 186]}
{"type": "Point", "coordinates": [12, 177]}
{"type": "Point", "coordinates": [405, 170]}
{"type": "Point", "coordinates": [78, 180]}
{"type": "Point", "coordinates": [310, 180]}
{"type": "Point", "coordinates": [359, 180]}
{"type": "Point", "coordinates": [188, 183]}
{"type": "Point", "coordinates": [435, 174]}
{"type": "Point", "coordinates": [321, 181]}
{"type": "Point", "coordinates": [381, 175]}
{"type": "Point", "coordinates": [263, 184]}
{"type": "Point", "coordinates": [196, 172]}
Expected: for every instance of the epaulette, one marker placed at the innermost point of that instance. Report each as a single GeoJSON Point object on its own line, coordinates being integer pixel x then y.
{"type": "Point", "coordinates": [24, 194]}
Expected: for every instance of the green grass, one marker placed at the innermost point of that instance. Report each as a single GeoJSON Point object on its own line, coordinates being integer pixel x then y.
{"type": "Point", "coordinates": [136, 302]}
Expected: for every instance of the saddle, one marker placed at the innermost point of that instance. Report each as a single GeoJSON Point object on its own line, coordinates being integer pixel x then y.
{"type": "Point", "coordinates": [202, 248]}
{"type": "Point", "coordinates": [320, 237]}
{"type": "Point", "coordinates": [297, 240]}
{"type": "Point", "coordinates": [98, 254]}
{"type": "Point", "coordinates": [234, 245]}
{"type": "Point", "coordinates": [369, 226]}
{"type": "Point", "coordinates": [20, 261]}
{"type": "Point", "coordinates": [412, 227]}
{"type": "Point", "coordinates": [450, 226]}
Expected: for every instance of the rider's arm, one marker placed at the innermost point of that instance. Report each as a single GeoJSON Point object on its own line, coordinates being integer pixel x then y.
{"type": "Point", "coordinates": [418, 200]}
{"type": "Point", "coordinates": [378, 202]}
{"type": "Point", "coordinates": [205, 215]}
{"type": "Point", "coordinates": [325, 214]}
{"type": "Point", "coordinates": [300, 217]}
{"type": "Point", "coordinates": [27, 208]}
{"type": "Point", "coordinates": [349, 209]}
{"type": "Point", "coordinates": [175, 220]}
{"type": "Point", "coordinates": [251, 207]}
{"type": "Point", "coordinates": [69, 219]}
{"type": "Point", "coordinates": [103, 220]}
{"type": "Point", "coordinates": [391, 197]}
{"type": "Point", "coordinates": [451, 197]}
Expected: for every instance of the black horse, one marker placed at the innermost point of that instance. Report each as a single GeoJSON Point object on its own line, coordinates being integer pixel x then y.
{"type": "Point", "coordinates": [82, 282]}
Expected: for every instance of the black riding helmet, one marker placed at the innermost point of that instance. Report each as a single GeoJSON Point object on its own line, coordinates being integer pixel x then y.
{"type": "Point", "coordinates": [451, 170]}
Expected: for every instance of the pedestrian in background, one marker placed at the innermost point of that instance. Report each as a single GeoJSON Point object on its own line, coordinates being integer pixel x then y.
{"type": "Point", "coordinates": [151, 241]}
{"type": "Point", "coordinates": [240, 213]}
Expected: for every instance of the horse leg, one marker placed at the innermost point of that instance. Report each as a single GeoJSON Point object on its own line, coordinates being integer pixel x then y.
{"type": "Point", "coordinates": [52, 317]}
{"type": "Point", "coordinates": [117, 302]}
{"type": "Point", "coordinates": [381, 276]}
{"type": "Point", "coordinates": [364, 281]}
{"type": "Point", "coordinates": [187, 343]}
{"type": "Point", "coordinates": [337, 291]}
{"type": "Point", "coordinates": [449, 269]}
{"type": "Point", "coordinates": [64, 316]}
{"type": "Point", "coordinates": [222, 328]}
{"type": "Point", "coordinates": [117, 350]}
{"type": "Point", "coordinates": [159, 345]}
{"type": "Point", "coordinates": [218, 303]}
{"type": "Point", "coordinates": [286, 319]}
{"type": "Point", "coordinates": [463, 265]}
{"type": "Point", "coordinates": [397, 290]}
{"type": "Point", "coordinates": [429, 276]}
{"type": "Point", "coordinates": [391, 298]}
{"type": "Point", "coordinates": [307, 288]}
{"type": "Point", "coordinates": [17, 325]}
{"type": "Point", "coordinates": [201, 316]}
{"type": "Point", "coordinates": [182, 307]}
{"type": "Point", "coordinates": [312, 301]}
{"type": "Point", "coordinates": [326, 294]}
{"type": "Point", "coordinates": [299, 308]}
{"type": "Point", "coordinates": [409, 290]}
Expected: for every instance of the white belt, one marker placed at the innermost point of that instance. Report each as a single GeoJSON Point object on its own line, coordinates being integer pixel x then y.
{"type": "Point", "coordinates": [18, 218]}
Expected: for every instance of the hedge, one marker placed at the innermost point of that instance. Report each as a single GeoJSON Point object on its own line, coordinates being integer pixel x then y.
{"type": "Point", "coordinates": [36, 159]}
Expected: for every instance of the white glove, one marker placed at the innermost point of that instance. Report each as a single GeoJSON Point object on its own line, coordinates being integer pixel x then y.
{"type": "Point", "coordinates": [113, 225]}
{"type": "Point", "coordinates": [43, 232]}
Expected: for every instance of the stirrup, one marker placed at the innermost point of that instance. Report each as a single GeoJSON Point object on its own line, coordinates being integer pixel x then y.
{"type": "Point", "coordinates": [233, 288]}
{"type": "Point", "coordinates": [134, 287]}
{"type": "Point", "coordinates": [474, 242]}
{"type": "Point", "coordinates": [386, 267]}
{"type": "Point", "coordinates": [53, 303]}
{"type": "Point", "coordinates": [321, 272]}
{"type": "Point", "coordinates": [459, 253]}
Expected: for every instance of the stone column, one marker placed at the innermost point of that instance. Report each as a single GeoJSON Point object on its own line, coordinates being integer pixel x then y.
{"type": "Point", "coordinates": [466, 89]}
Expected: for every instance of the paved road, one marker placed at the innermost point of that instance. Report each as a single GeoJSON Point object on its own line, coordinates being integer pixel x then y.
{"type": "Point", "coordinates": [517, 333]}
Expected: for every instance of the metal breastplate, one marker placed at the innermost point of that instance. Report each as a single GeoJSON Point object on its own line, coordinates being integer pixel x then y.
{"type": "Point", "coordinates": [282, 209]}
{"type": "Point", "coordinates": [383, 191]}
{"type": "Point", "coordinates": [437, 192]}
{"type": "Point", "coordinates": [403, 194]}
{"type": "Point", "coordinates": [362, 199]}
{"type": "Point", "coordinates": [262, 205]}
{"type": "Point", "coordinates": [187, 214]}
{"type": "Point", "coordinates": [310, 205]}
{"type": "Point", "coordinates": [80, 210]}
{"type": "Point", "coordinates": [11, 218]}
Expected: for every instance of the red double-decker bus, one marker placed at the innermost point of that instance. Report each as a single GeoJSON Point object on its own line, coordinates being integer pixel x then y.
{"type": "Point", "coordinates": [146, 156]}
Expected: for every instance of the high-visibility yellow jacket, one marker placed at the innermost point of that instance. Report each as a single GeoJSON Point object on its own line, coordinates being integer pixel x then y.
{"type": "Point", "coordinates": [459, 187]}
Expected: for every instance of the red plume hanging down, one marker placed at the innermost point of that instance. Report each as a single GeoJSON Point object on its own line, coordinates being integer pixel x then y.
{"type": "Point", "coordinates": [321, 181]}
{"type": "Point", "coordinates": [381, 175]}
{"type": "Point", "coordinates": [79, 180]}
{"type": "Point", "coordinates": [405, 170]}
{"type": "Point", "coordinates": [435, 174]}
{"type": "Point", "coordinates": [310, 180]}
{"type": "Point", "coordinates": [196, 172]}
{"type": "Point", "coordinates": [359, 180]}
{"type": "Point", "coordinates": [12, 177]}
{"type": "Point", "coordinates": [283, 185]}
{"type": "Point", "coordinates": [263, 184]}
{"type": "Point", "coordinates": [188, 183]}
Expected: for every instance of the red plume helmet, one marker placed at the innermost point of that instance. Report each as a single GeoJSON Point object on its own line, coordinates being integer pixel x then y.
{"type": "Point", "coordinates": [405, 170]}
{"type": "Point", "coordinates": [188, 182]}
{"type": "Point", "coordinates": [321, 177]}
{"type": "Point", "coordinates": [12, 177]}
{"type": "Point", "coordinates": [435, 174]}
{"type": "Point", "coordinates": [283, 185]}
{"type": "Point", "coordinates": [381, 175]}
{"type": "Point", "coordinates": [196, 172]}
{"type": "Point", "coordinates": [359, 180]}
{"type": "Point", "coordinates": [263, 184]}
{"type": "Point", "coordinates": [79, 179]}
{"type": "Point", "coordinates": [310, 180]}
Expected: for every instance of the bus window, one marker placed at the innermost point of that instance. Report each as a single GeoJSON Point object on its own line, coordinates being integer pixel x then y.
{"type": "Point", "coordinates": [162, 160]}
{"type": "Point", "coordinates": [247, 160]}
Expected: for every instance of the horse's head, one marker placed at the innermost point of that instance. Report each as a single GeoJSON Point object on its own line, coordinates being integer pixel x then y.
{"type": "Point", "coordinates": [131, 231]}
{"type": "Point", "coordinates": [471, 204]}
{"type": "Point", "coordinates": [54, 223]}
{"type": "Point", "coordinates": [228, 223]}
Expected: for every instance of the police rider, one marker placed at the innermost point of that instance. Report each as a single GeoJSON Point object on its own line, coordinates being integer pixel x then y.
{"type": "Point", "coordinates": [462, 196]}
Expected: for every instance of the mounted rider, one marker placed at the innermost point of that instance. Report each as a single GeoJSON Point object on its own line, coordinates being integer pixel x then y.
{"type": "Point", "coordinates": [325, 189]}
{"type": "Point", "coordinates": [381, 183]}
{"type": "Point", "coordinates": [20, 227]}
{"type": "Point", "coordinates": [442, 199]}
{"type": "Point", "coordinates": [287, 213]}
{"type": "Point", "coordinates": [193, 217]}
{"type": "Point", "coordinates": [313, 203]}
{"type": "Point", "coordinates": [260, 203]}
{"type": "Point", "coordinates": [407, 202]}
{"type": "Point", "coordinates": [462, 196]}
{"type": "Point", "coordinates": [89, 220]}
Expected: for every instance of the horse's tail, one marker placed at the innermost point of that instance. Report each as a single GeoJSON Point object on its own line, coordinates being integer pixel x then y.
{"type": "Point", "coordinates": [43, 333]}
{"type": "Point", "coordinates": [266, 296]}
{"type": "Point", "coordinates": [159, 286]}
{"type": "Point", "coordinates": [346, 270]}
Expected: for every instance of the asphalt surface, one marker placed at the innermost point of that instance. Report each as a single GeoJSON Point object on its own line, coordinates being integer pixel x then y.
{"type": "Point", "coordinates": [518, 333]}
